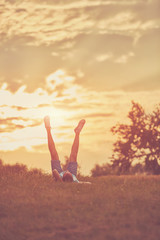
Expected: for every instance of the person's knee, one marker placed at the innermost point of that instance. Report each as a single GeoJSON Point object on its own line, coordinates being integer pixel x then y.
{"type": "Point", "coordinates": [73, 158]}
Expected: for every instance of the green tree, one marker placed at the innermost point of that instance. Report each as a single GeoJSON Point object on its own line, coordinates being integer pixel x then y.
{"type": "Point", "coordinates": [138, 141]}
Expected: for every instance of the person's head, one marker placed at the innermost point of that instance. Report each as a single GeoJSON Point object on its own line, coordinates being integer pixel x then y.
{"type": "Point", "coordinates": [67, 177]}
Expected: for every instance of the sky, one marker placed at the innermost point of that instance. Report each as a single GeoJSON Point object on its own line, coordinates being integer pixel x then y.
{"type": "Point", "coordinates": [72, 60]}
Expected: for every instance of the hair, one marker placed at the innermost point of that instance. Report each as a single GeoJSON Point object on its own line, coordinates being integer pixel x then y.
{"type": "Point", "coordinates": [67, 177]}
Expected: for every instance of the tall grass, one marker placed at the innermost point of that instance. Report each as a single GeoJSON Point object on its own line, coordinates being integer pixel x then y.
{"type": "Point", "coordinates": [34, 207]}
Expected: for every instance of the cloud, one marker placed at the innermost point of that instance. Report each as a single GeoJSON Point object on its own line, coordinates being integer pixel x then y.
{"type": "Point", "coordinates": [104, 57]}
{"type": "Point", "coordinates": [124, 58]}
{"type": "Point", "coordinates": [99, 115]}
{"type": "Point", "coordinates": [55, 54]}
{"type": "Point", "coordinates": [38, 37]}
{"type": "Point", "coordinates": [56, 20]}
{"type": "Point", "coordinates": [119, 59]}
{"type": "Point", "coordinates": [101, 109]}
{"type": "Point", "coordinates": [19, 108]}
{"type": "Point", "coordinates": [58, 78]}
{"type": "Point", "coordinates": [14, 123]}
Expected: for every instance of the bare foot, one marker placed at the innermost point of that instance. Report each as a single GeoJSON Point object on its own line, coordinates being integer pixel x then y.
{"type": "Point", "coordinates": [80, 126]}
{"type": "Point", "coordinates": [47, 122]}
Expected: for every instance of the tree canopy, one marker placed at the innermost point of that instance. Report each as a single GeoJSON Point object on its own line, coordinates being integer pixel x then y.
{"type": "Point", "coordinates": [137, 148]}
{"type": "Point", "coordinates": [139, 141]}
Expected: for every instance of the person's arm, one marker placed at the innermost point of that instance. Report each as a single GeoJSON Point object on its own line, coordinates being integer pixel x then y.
{"type": "Point", "coordinates": [85, 182]}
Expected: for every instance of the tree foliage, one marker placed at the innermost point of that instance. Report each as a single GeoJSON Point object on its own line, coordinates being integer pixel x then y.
{"type": "Point", "coordinates": [137, 148]}
{"type": "Point", "coordinates": [105, 169]}
{"type": "Point", "coordinates": [138, 141]}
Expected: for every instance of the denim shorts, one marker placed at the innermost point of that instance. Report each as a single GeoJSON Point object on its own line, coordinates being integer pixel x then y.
{"type": "Point", "coordinates": [72, 167]}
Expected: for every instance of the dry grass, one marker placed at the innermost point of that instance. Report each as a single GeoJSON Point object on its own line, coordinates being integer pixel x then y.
{"type": "Point", "coordinates": [34, 207]}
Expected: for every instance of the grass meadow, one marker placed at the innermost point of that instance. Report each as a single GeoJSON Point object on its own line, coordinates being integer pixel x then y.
{"type": "Point", "coordinates": [34, 207]}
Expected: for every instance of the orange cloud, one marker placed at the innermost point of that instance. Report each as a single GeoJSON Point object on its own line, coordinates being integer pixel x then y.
{"type": "Point", "coordinates": [56, 19]}
{"type": "Point", "coordinates": [14, 123]}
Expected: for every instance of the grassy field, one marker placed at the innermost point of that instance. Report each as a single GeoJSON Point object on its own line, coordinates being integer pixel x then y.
{"type": "Point", "coordinates": [34, 207]}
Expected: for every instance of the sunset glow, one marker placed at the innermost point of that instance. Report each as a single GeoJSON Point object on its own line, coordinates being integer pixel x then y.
{"type": "Point", "coordinates": [74, 60]}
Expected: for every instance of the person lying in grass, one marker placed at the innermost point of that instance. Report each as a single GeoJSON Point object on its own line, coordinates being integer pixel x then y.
{"type": "Point", "coordinates": [70, 174]}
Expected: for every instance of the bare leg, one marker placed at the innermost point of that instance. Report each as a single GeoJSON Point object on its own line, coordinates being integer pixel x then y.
{"type": "Point", "coordinates": [51, 144]}
{"type": "Point", "coordinates": [75, 146]}
{"type": "Point", "coordinates": [74, 150]}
